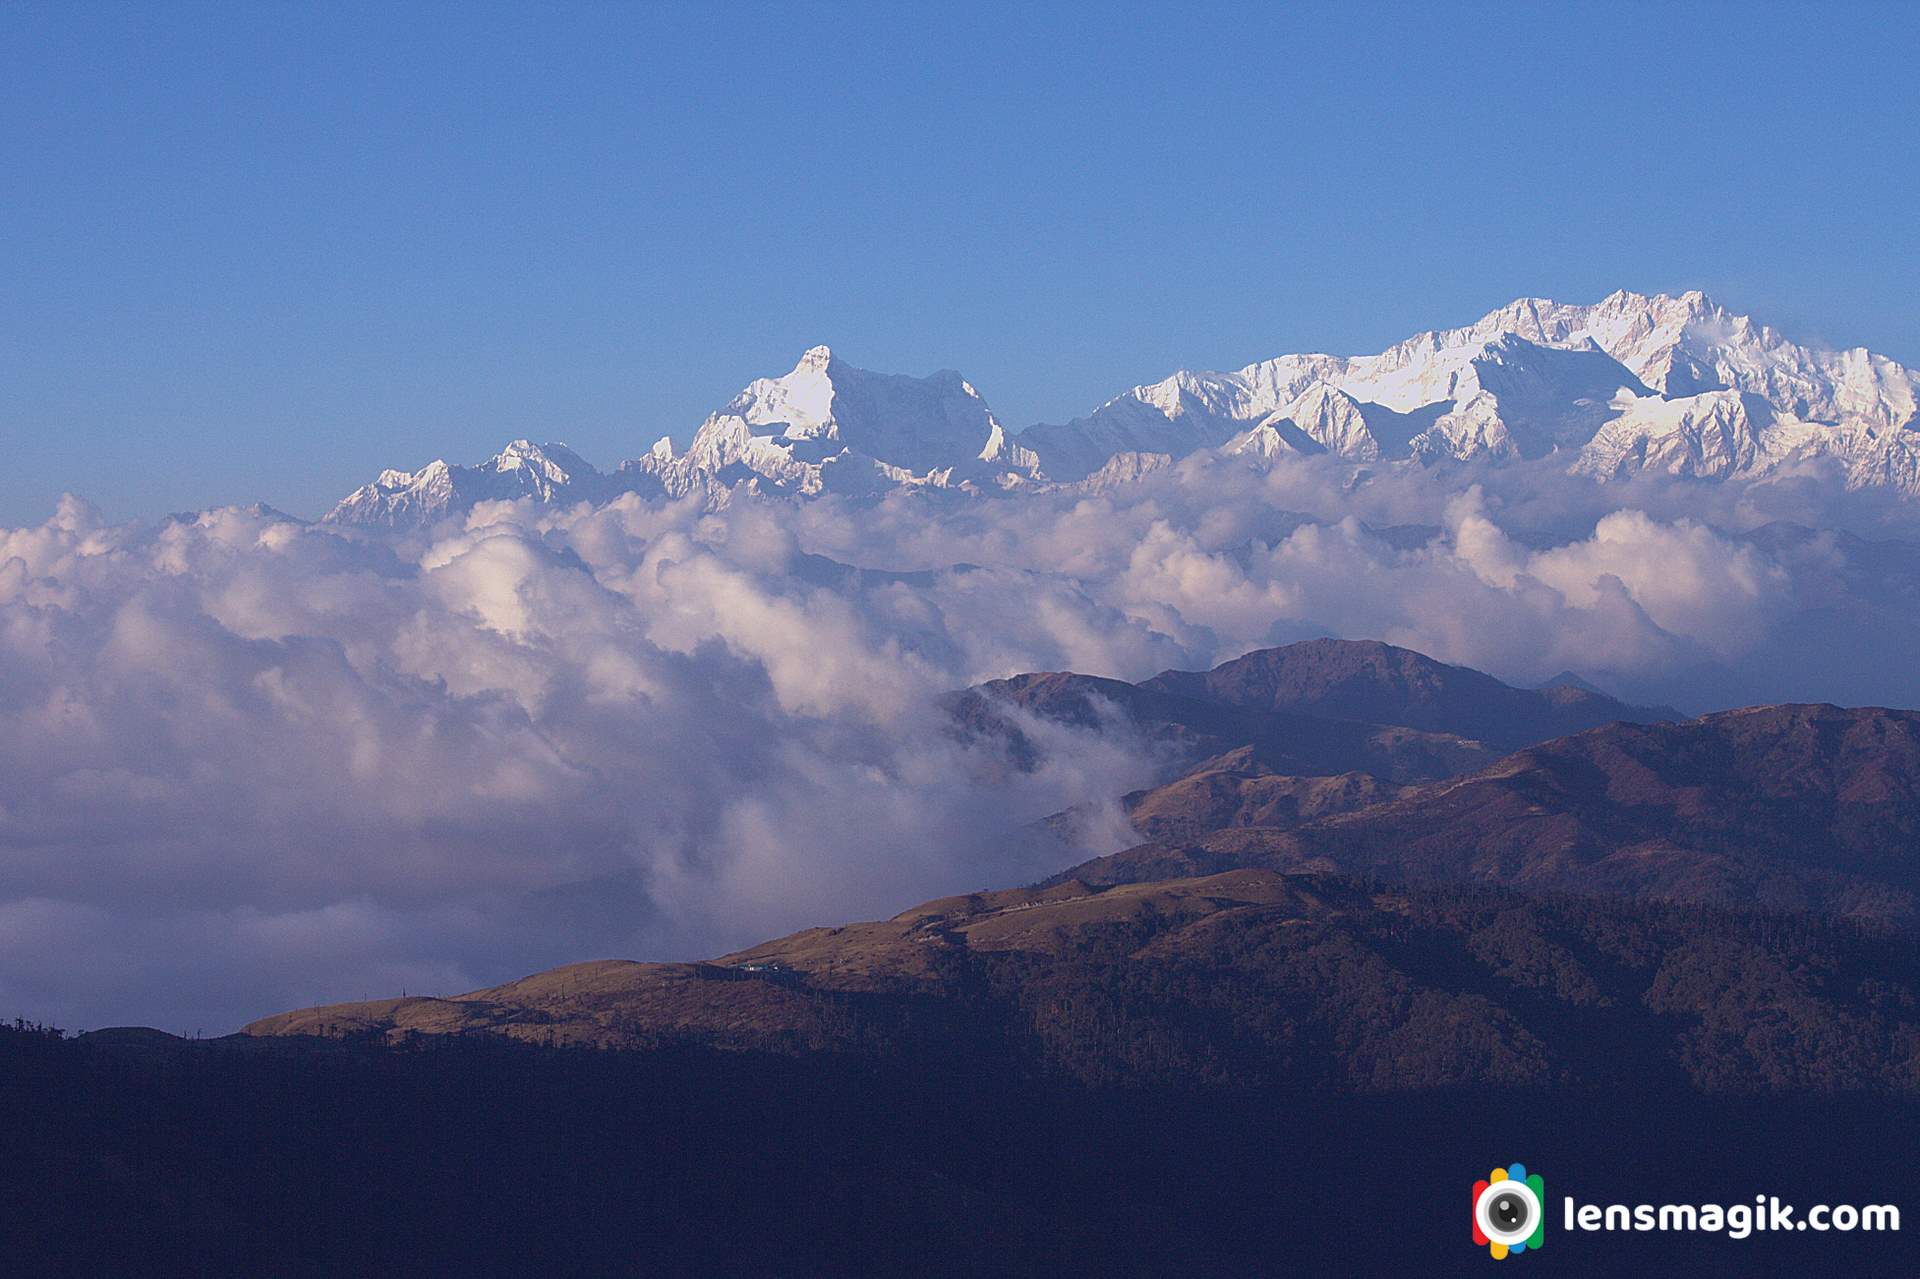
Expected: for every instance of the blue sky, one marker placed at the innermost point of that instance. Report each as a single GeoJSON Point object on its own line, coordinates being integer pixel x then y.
{"type": "Point", "coordinates": [260, 251]}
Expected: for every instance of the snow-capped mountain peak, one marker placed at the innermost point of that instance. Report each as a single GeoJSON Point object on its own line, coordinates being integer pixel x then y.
{"type": "Point", "coordinates": [825, 407]}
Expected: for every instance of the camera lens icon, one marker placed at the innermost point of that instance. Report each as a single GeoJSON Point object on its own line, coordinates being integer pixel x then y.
{"type": "Point", "coordinates": [1507, 1211]}
{"type": "Point", "coordinates": [1509, 1214]}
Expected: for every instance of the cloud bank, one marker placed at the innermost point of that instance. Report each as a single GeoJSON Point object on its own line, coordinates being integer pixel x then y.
{"type": "Point", "coordinates": [248, 763]}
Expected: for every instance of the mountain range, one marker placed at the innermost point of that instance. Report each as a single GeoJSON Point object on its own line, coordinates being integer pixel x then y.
{"type": "Point", "coordinates": [1633, 383]}
{"type": "Point", "coordinates": [1367, 870]}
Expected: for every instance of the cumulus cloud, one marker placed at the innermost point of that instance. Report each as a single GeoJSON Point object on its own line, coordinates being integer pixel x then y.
{"type": "Point", "coordinates": [247, 763]}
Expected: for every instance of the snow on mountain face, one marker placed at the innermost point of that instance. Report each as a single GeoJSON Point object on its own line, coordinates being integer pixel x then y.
{"type": "Point", "coordinates": [1685, 345]}
{"type": "Point", "coordinates": [1181, 415]}
{"type": "Point", "coordinates": [1325, 419]}
{"type": "Point", "coordinates": [1458, 394]}
{"type": "Point", "coordinates": [1711, 435]}
{"type": "Point", "coordinates": [1515, 398]}
{"type": "Point", "coordinates": [1505, 398]}
{"type": "Point", "coordinates": [1630, 383]}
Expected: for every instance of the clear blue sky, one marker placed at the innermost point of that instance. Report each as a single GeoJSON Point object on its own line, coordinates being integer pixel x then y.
{"type": "Point", "coordinates": [259, 251]}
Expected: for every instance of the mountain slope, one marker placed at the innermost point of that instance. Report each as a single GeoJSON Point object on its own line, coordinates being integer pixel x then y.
{"type": "Point", "coordinates": [1254, 980]}
{"type": "Point", "coordinates": [1243, 787]}
{"type": "Point", "coordinates": [1788, 807]}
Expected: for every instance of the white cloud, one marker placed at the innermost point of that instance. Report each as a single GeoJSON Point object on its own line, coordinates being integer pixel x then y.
{"type": "Point", "coordinates": [246, 764]}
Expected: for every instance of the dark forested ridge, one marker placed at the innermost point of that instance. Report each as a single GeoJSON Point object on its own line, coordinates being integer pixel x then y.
{"type": "Point", "coordinates": [482, 1156]}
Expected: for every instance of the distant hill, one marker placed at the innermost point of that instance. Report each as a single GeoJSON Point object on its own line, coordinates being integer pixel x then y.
{"type": "Point", "coordinates": [1317, 708]}
{"type": "Point", "coordinates": [1286, 735]}
{"type": "Point", "coordinates": [1787, 807]}
{"type": "Point", "coordinates": [1377, 683]}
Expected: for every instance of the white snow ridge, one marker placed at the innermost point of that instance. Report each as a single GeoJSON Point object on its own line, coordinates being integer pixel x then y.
{"type": "Point", "coordinates": [1629, 384]}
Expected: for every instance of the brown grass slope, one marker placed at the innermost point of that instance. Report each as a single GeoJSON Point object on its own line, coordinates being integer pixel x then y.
{"type": "Point", "coordinates": [1242, 788]}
